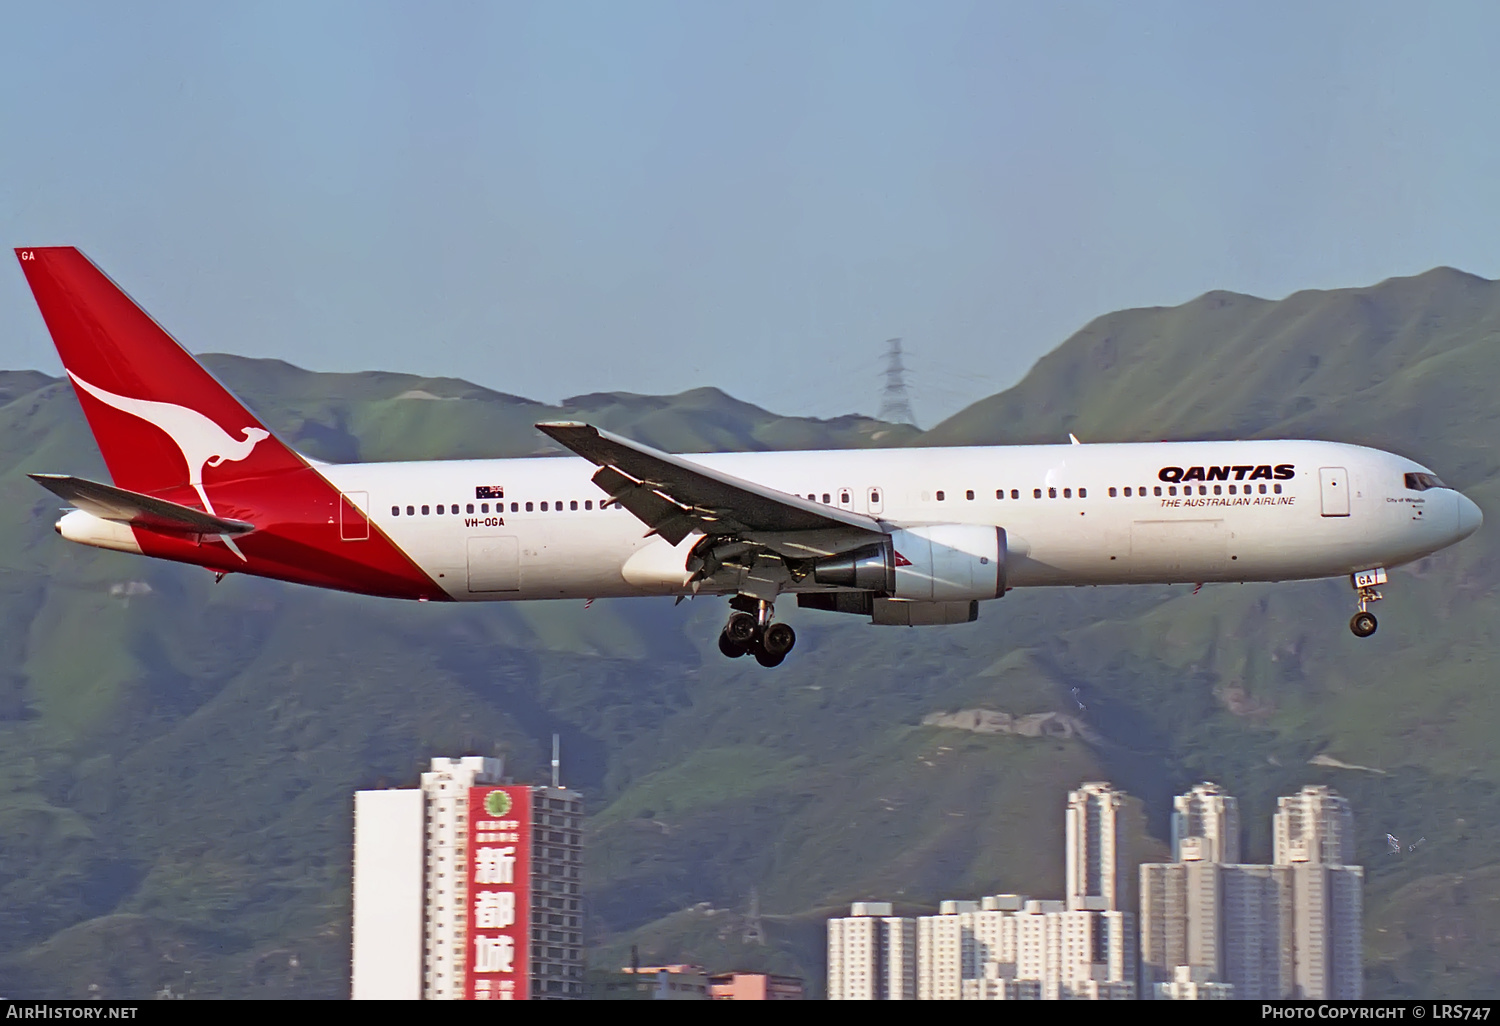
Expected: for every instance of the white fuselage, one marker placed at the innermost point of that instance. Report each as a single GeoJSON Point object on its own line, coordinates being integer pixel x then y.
{"type": "Point", "coordinates": [1335, 509]}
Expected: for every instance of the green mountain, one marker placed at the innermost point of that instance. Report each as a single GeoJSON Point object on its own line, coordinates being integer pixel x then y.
{"type": "Point", "coordinates": [177, 757]}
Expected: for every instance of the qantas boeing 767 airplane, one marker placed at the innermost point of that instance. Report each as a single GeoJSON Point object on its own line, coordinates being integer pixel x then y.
{"type": "Point", "coordinates": [903, 536]}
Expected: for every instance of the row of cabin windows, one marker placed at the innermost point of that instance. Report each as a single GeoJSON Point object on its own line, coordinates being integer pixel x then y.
{"type": "Point", "coordinates": [1083, 493]}
{"type": "Point", "coordinates": [1015, 493]}
{"type": "Point", "coordinates": [484, 507]}
{"type": "Point", "coordinates": [1202, 490]}
{"type": "Point", "coordinates": [844, 497]}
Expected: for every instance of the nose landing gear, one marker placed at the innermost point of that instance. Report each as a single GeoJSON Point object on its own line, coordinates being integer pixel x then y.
{"type": "Point", "coordinates": [754, 634]}
{"type": "Point", "coordinates": [1363, 623]}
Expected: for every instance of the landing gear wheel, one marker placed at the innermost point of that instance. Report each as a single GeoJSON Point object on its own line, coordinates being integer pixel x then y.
{"type": "Point", "coordinates": [729, 648]}
{"type": "Point", "coordinates": [1363, 624]}
{"type": "Point", "coordinates": [767, 659]}
{"type": "Point", "coordinates": [740, 629]}
{"type": "Point", "coordinates": [778, 640]}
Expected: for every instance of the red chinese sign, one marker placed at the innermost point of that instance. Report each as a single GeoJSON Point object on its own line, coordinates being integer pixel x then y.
{"type": "Point", "coordinates": [499, 914]}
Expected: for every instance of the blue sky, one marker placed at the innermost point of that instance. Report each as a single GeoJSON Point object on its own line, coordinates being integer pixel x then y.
{"type": "Point", "coordinates": [558, 198]}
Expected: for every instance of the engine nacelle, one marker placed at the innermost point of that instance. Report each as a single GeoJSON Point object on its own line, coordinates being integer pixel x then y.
{"type": "Point", "coordinates": [872, 568]}
{"type": "Point", "coordinates": [948, 562]}
{"type": "Point", "coordinates": [87, 529]}
{"type": "Point", "coordinates": [937, 563]}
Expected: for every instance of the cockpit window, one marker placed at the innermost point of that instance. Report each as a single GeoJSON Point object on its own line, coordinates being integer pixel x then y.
{"type": "Point", "coordinates": [1422, 482]}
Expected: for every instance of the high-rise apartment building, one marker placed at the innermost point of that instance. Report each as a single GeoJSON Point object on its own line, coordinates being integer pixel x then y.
{"type": "Point", "coordinates": [1313, 834]}
{"type": "Point", "coordinates": [1230, 921]}
{"type": "Point", "coordinates": [495, 881]}
{"type": "Point", "coordinates": [872, 955]}
{"type": "Point", "coordinates": [1006, 947]}
{"type": "Point", "coordinates": [1100, 832]}
{"type": "Point", "coordinates": [1205, 825]}
{"type": "Point", "coordinates": [1314, 825]}
{"type": "Point", "coordinates": [556, 892]}
{"type": "Point", "coordinates": [1288, 930]}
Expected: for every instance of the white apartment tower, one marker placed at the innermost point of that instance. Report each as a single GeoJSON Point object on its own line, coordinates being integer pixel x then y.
{"type": "Point", "coordinates": [1099, 870]}
{"type": "Point", "coordinates": [872, 955]}
{"type": "Point", "coordinates": [1314, 825]}
{"type": "Point", "coordinates": [445, 788]}
{"type": "Point", "coordinates": [1313, 833]}
{"type": "Point", "coordinates": [1206, 822]}
{"type": "Point", "coordinates": [1006, 947]}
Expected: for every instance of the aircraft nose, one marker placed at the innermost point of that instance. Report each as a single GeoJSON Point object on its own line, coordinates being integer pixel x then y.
{"type": "Point", "coordinates": [1470, 516]}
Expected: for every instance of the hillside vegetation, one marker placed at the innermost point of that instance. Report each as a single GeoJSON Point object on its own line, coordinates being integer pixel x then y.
{"type": "Point", "coordinates": [177, 758]}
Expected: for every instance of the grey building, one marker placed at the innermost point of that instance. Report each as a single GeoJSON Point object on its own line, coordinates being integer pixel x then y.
{"type": "Point", "coordinates": [1287, 930]}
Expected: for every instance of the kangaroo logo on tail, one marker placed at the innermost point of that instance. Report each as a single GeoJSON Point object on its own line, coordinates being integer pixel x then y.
{"type": "Point", "coordinates": [201, 441]}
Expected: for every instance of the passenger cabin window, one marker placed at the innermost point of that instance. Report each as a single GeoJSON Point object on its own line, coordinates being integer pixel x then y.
{"type": "Point", "coordinates": [1157, 489]}
{"type": "Point", "coordinates": [1036, 493]}
{"type": "Point", "coordinates": [1127, 493]}
{"type": "Point", "coordinates": [410, 511]}
{"type": "Point", "coordinates": [1015, 493]}
{"type": "Point", "coordinates": [588, 503]}
{"type": "Point", "coordinates": [1113, 493]}
{"type": "Point", "coordinates": [528, 507]}
{"type": "Point", "coordinates": [1419, 482]}
{"type": "Point", "coordinates": [969, 494]}
{"type": "Point", "coordinates": [939, 496]}
{"type": "Point", "coordinates": [424, 510]}
{"type": "Point", "coordinates": [1083, 493]}
{"type": "Point", "coordinates": [825, 498]}
{"type": "Point", "coordinates": [573, 504]}
{"type": "Point", "coordinates": [395, 511]}
{"type": "Point", "coordinates": [999, 493]}
{"type": "Point", "coordinates": [1051, 493]}
{"type": "Point", "coordinates": [1067, 493]}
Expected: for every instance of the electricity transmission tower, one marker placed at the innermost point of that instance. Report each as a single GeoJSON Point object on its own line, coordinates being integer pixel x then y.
{"type": "Point", "coordinates": [895, 405]}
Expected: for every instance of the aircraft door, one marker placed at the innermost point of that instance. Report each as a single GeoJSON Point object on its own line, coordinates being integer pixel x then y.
{"type": "Point", "coordinates": [494, 564]}
{"type": "Point", "coordinates": [875, 500]}
{"type": "Point", "coordinates": [846, 499]}
{"type": "Point", "coordinates": [354, 511]}
{"type": "Point", "coordinates": [1334, 482]}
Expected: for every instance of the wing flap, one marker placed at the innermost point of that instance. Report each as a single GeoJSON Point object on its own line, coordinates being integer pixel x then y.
{"type": "Point", "coordinates": [674, 496]}
{"type": "Point", "coordinates": [110, 503]}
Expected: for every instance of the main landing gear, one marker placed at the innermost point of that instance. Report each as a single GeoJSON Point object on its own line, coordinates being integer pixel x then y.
{"type": "Point", "coordinates": [1363, 623]}
{"type": "Point", "coordinates": [753, 633]}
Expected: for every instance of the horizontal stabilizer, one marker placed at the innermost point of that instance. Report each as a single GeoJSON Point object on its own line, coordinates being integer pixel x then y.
{"type": "Point", "coordinates": [110, 503]}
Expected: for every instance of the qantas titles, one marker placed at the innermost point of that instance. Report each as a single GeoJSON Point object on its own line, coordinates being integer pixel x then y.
{"type": "Point", "coordinates": [1242, 472]}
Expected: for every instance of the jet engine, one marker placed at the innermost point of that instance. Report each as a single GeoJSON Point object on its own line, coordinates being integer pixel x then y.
{"type": "Point", "coordinates": [935, 563]}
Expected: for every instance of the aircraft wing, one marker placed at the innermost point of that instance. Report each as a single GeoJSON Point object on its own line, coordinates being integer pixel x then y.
{"type": "Point", "coordinates": [674, 496]}
{"type": "Point", "coordinates": [110, 503]}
